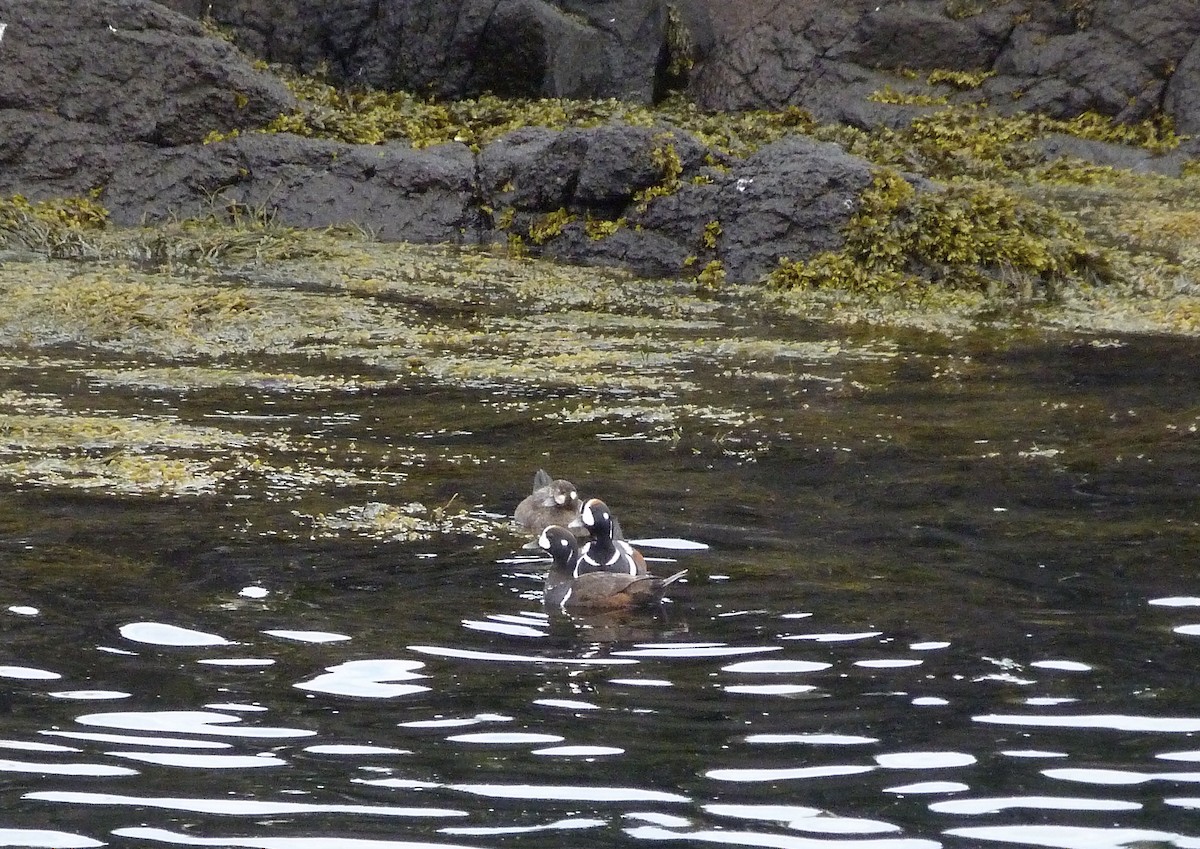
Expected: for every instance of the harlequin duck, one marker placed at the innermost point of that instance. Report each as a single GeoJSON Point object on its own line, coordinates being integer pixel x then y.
{"type": "Point", "coordinates": [606, 551]}
{"type": "Point", "coordinates": [553, 502]}
{"type": "Point", "coordinates": [594, 590]}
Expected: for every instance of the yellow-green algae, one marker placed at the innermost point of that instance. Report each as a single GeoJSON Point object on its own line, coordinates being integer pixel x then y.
{"type": "Point", "coordinates": [994, 174]}
{"type": "Point", "coordinates": [404, 522]}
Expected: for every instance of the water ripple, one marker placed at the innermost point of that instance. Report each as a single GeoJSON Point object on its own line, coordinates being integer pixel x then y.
{"type": "Point", "coordinates": [777, 841]}
{"type": "Point", "coordinates": [160, 634]}
{"type": "Point", "coordinates": [471, 654]}
{"type": "Point", "coordinates": [187, 722]}
{"type": "Point", "coordinates": [161, 835]}
{"type": "Point", "coordinates": [1076, 837]}
{"type": "Point", "coordinates": [1116, 722]}
{"type": "Point", "coordinates": [188, 761]}
{"type": "Point", "coordinates": [39, 767]}
{"type": "Point", "coordinates": [37, 838]}
{"type": "Point", "coordinates": [995, 805]}
{"type": "Point", "coordinates": [237, 807]}
{"type": "Point", "coordinates": [784, 774]}
{"type": "Point", "coordinates": [565, 793]}
{"type": "Point", "coordinates": [371, 679]}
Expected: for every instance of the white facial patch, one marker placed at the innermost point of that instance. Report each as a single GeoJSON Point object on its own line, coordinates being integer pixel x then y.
{"type": "Point", "coordinates": [586, 515]}
{"type": "Point", "coordinates": [560, 499]}
{"type": "Point", "coordinates": [544, 541]}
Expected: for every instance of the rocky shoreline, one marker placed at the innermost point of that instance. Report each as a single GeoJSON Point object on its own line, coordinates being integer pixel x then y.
{"type": "Point", "coordinates": [897, 145]}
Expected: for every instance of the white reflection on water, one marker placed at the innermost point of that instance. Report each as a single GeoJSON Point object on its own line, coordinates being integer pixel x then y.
{"type": "Point", "coordinates": [566, 793]}
{"type": "Point", "coordinates": [354, 749]}
{"type": "Point", "coordinates": [579, 751]}
{"type": "Point", "coordinates": [690, 650]}
{"type": "Point", "coordinates": [776, 667]}
{"type": "Point", "coordinates": [456, 722]}
{"type": "Point", "coordinates": [1177, 601]}
{"type": "Point", "coordinates": [506, 628]}
{"type": "Point", "coordinates": [931, 787]}
{"type": "Point", "coordinates": [1075, 837]}
{"type": "Point", "coordinates": [187, 722]}
{"type": "Point", "coordinates": [523, 829]}
{"type": "Point", "coordinates": [1062, 665]}
{"type": "Point", "coordinates": [28, 673]}
{"type": "Point", "coordinates": [972, 807]}
{"type": "Point", "coordinates": [27, 746]}
{"type": "Point", "coordinates": [1116, 722]}
{"type": "Point", "coordinates": [782, 774]}
{"type": "Point", "coordinates": [307, 636]}
{"type": "Point", "coordinates": [769, 689]}
{"type": "Point", "coordinates": [569, 704]}
{"type": "Point", "coordinates": [89, 695]}
{"type": "Point", "coordinates": [189, 761]}
{"type": "Point", "coordinates": [64, 769]}
{"type": "Point", "coordinates": [889, 663]}
{"type": "Point", "coordinates": [1032, 753]}
{"type": "Point", "coordinates": [778, 841]}
{"type": "Point", "coordinates": [130, 740]}
{"type": "Point", "coordinates": [37, 838]}
{"type": "Point", "coordinates": [836, 638]}
{"type": "Point", "coordinates": [804, 819]}
{"type": "Point", "coordinates": [160, 634]}
{"type": "Point", "coordinates": [161, 835]}
{"type": "Point", "coordinates": [505, 737]}
{"type": "Point", "coordinates": [1179, 756]}
{"type": "Point", "coordinates": [1118, 776]}
{"type": "Point", "coordinates": [470, 654]}
{"type": "Point", "coordinates": [924, 760]}
{"type": "Point", "coordinates": [236, 807]}
{"type": "Point", "coordinates": [812, 739]}
{"type": "Point", "coordinates": [368, 679]}
{"type": "Point", "coordinates": [776, 813]}
{"type": "Point", "coordinates": [670, 543]}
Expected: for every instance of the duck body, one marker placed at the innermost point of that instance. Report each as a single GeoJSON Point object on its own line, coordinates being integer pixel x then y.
{"type": "Point", "coordinates": [552, 502]}
{"type": "Point", "coordinates": [606, 551]}
{"type": "Point", "coordinates": [594, 590]}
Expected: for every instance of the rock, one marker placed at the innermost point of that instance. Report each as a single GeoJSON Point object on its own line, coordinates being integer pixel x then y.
{"type": "Point", "coordinates": [130, 70]}
{"type": "Point", "coordinates": [791, 198]}
{"type": "Point", "coordinates": [459, 48]}
{"type": "Point", "coordinates": [1182, 98]}
{"type": "Point", "coordinates": [533, 169]}
{"type": "Point", "coordinates": [391, 190]}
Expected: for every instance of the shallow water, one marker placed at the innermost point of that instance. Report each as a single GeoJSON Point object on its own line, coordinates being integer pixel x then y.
{"type": "Point", "coordinates": [948, 599]}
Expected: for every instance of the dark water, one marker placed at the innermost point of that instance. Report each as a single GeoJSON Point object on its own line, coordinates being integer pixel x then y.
{"type": "Point", "coordinates": [949, 599]}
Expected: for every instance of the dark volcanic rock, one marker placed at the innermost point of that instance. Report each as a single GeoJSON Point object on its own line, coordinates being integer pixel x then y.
{"type": "Point", "coordinates": [392, 190]}
{"type": "Point", "coordinates": [129, 70]}
{"type": "Point", "coordinates": [457, 48]}
{"type": "Point", "coordinates": [791, 199]}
